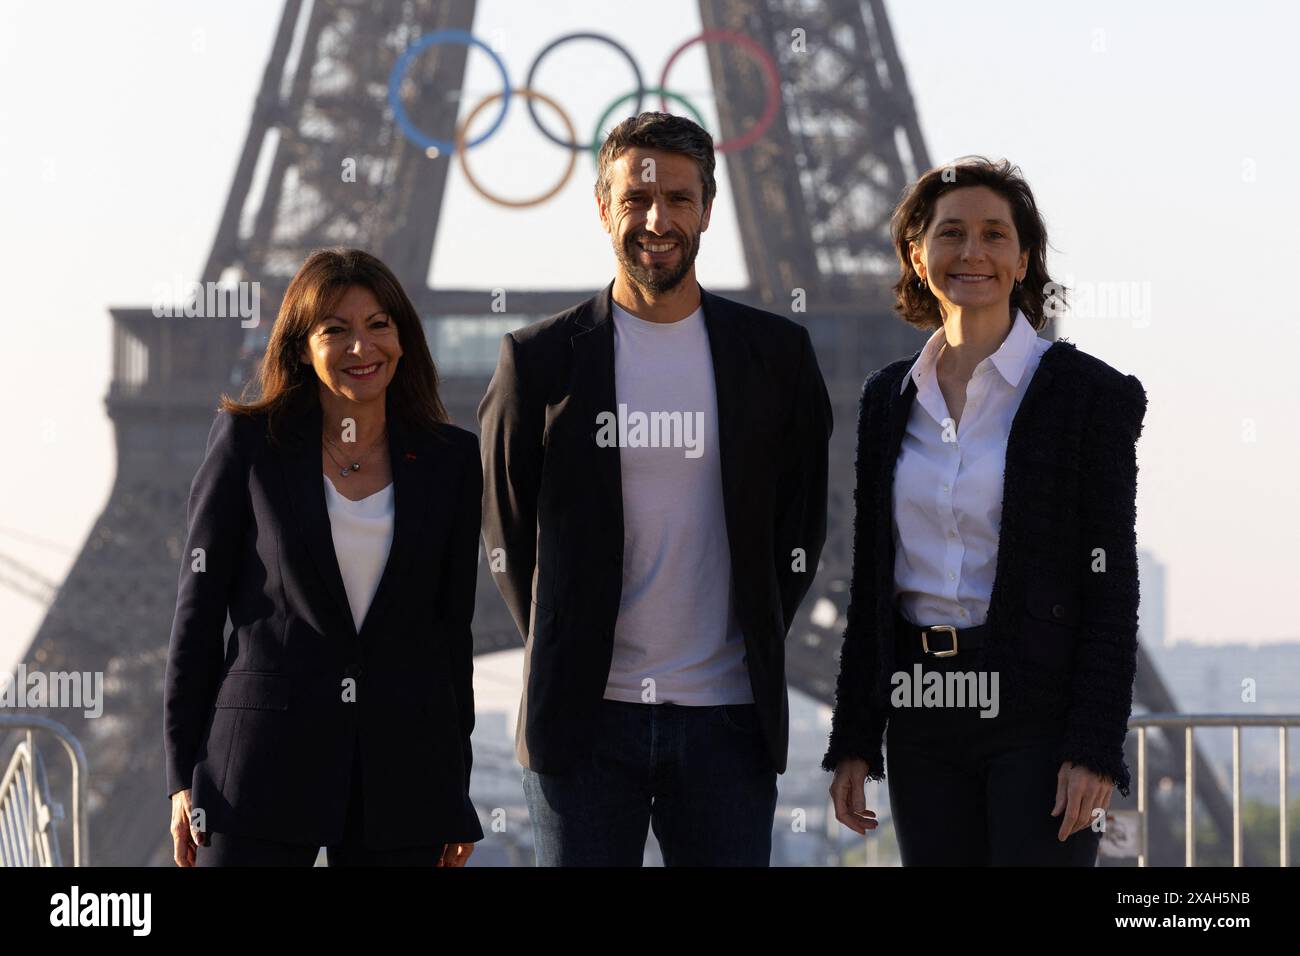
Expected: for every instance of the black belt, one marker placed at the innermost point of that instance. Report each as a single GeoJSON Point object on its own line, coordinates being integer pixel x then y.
{"type": "Point", "coordinates": [937, 640]}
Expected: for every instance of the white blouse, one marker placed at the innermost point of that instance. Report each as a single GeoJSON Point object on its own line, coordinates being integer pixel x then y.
{"type": "Point", "coordinates": [947, 497]}
{"type": "Point", "coordinates": [363, 534]}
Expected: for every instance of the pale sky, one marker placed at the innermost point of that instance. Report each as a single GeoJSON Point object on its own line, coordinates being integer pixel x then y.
{"type": "Point", "coordinates": [1161, 150]}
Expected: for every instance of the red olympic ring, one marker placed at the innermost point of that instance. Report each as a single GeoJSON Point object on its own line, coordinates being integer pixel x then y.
{"type": "Point", "coordinates": [771, 78]}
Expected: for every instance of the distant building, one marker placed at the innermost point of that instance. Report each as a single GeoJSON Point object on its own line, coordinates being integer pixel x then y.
{"type": "Point", "coordinates": [1151, 609]}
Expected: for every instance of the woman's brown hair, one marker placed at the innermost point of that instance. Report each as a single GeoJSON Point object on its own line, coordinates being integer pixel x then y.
{"type": "Point", "coordinates": [287, 387]}
{"type": "Point", "coordinates": [915, 302]}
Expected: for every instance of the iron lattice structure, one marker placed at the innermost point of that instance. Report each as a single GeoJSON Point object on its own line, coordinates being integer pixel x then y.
{"type": "Point", "coordinates": [813, 197]}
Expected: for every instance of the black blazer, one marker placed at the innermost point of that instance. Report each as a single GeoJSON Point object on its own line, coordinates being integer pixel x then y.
{"type": "Point", "coordinates": [258, 724]}
{"type": "Point", "coordinates": [1063, 637]}
{"type": "Point", "coordinates": [553, 504]}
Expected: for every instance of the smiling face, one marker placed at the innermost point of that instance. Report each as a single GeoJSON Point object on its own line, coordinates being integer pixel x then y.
{"type": "Point", "coordinates": [654, 216]}
{"type": "Point", "coordinates": [355, 348]}
{"type": "Point", "coordinates": [970, 255]}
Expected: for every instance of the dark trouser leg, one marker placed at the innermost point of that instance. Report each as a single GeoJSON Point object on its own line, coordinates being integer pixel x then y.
{"type": "Point", "coordinates": [597, 813]}
{"type": "Point", "coordinates": [966, 789]}
{"type": "Point", "coordinates": [1022, 769]}
{"type": "Point", "coordinates": [715, 787]}
{"type": "Point", "coordinates": [230, 850]}
{"type": "Point", "coordinates": [936, 790]}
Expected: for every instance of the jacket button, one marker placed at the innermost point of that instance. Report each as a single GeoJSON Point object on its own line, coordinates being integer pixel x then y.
{"type": "Point", "coordinates": [1058, 610]}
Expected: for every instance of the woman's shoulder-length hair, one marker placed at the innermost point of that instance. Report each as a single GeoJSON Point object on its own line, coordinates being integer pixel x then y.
{"type": "Point", "coordinates": [286, 390]}
{"type": "Point", "coordinates": [914, 302]}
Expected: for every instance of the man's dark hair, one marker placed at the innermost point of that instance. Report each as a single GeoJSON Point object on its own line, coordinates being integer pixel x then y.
{"type": "Point", "coordinates": [674, 134]}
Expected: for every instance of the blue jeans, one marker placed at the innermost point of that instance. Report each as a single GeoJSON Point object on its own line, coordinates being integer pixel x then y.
{"type": "Point", "coordinates": [700, 776]}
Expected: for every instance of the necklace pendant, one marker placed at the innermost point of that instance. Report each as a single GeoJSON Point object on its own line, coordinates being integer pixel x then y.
{"type": "Point", "coordinates": [356, 466]}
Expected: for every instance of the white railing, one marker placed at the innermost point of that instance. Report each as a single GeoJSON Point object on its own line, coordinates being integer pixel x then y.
{"type": "Point", "coordinates": [1188, 723]}
{"type": "Point", "coordinates": [27, 814]}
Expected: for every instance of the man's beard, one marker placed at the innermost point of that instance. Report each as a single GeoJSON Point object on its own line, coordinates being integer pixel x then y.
{"type": "Point", "coordinates": [657, 279]}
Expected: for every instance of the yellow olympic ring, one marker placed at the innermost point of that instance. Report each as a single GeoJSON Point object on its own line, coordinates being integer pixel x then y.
{"type": "Point", "coordinates": [463, 129]}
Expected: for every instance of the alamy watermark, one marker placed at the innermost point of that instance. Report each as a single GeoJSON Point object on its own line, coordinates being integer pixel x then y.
{"type": "Point", "coordinates": [56, 689]}
{"type": "Point", "coordinates": [209, 300]}
{"type": "Point", "coordinates": [651, 430]}
{"type": "Point", "coordinates": [952, 689]}
{"type": "Point", "coordinates": [1124, 300]}
{"type": "Point", "coordinates": [128, 910]}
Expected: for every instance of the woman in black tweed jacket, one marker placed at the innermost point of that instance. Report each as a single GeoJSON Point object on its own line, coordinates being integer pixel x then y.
{"type": "Point", "coordinates": [1029, 574]}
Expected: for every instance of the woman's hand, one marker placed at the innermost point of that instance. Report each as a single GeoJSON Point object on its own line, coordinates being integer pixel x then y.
{"type": "Point", "coordinates": [185, 839]}
{"type": "Point", "coordinates": [1079, 791]}
{"type": "Point", "coordinates": [455, 854]}
{"type": "Point", "coordinates": [849, 797]}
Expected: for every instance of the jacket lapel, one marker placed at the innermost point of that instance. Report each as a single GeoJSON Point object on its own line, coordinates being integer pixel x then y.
{"type": "Point", "coordinates": [413, 462]}
{"type": "Point", "coordinates": [592, 389]}
{"type": "Point", "coordinates": [302, 472]}
{"type": "Point", "coordinates": [895, 427]}
{"type": "Point", "coordinates": [729, 355]}
{"type": "Point", "coordinates": [1024, 429]}
{"type": "Point", "coordinates": [410, 460]}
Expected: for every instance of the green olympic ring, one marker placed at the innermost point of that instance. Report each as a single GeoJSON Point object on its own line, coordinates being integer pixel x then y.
{"type": "Point", "coordinates": [597, 141]}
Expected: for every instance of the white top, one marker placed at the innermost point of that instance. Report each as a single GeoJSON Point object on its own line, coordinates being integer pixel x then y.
{"type": "Point", "coordinates": [947, 499]}
{"type": "Point", "coordinates": [676, 622]}
{"type": "Point", "coordinates": [363, 534]}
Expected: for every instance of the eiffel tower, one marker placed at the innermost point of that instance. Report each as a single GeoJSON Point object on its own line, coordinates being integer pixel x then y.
{"type": "Point", "coordinates": [812, 196]}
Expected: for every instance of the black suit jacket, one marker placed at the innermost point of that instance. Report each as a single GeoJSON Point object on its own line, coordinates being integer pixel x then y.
{"type": "Point", "coordinates": [258, 723]}
{"type": "Point", "coordinates": [1063, 636]}
{"type": "Point", "coordinates": [553, 505]}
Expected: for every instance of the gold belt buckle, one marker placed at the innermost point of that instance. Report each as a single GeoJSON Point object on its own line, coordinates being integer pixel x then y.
{"type": "Point", "coordinates": [925, 643]}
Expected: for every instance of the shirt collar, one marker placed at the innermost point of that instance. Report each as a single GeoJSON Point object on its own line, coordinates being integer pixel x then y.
{"type": "Point", "coordinates": [1010, 359]}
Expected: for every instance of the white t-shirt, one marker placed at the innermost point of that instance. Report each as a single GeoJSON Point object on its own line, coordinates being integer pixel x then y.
{"type": "Point", "coordinates": [363, 534]}
{"type": "Point", "coordinates": [676, 624]}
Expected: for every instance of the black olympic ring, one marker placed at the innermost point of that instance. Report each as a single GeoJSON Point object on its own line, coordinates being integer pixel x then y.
{"type": "Point", "coordinates": [558, 41]}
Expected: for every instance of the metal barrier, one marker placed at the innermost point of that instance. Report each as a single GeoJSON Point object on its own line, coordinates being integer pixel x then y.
{"type": "Point", "coordinates": [1188, 722]}
{"type": "Point", "coordinates": [27, 815]}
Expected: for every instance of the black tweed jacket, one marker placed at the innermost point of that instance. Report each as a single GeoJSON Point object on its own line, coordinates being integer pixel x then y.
{"type": "Point", "coordinates": [1063, 632]}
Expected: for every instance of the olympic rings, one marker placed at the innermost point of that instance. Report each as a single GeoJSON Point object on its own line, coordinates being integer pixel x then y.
{"type": "Point", "coordinates": [413, 132]}
{"type": "Point", "coordinates": [664, 94]}
{"type": "Point", "coordinates": [773, 83]}
{"type": "Point", "coordinates": [558, 41]}
{"type": "Point", "coordinates": [463, 128]}
{"type": "Point", "coordinates": [460, 147]}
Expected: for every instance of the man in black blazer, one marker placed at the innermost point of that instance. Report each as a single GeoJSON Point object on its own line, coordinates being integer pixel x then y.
{"type": "Point", "coordinates": [654, 509]}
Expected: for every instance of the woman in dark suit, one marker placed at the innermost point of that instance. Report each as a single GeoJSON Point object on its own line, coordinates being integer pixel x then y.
{"type": "Point", "coordinates": [992, 626]}
{"type": "Point", "coordinates": [336, 520]}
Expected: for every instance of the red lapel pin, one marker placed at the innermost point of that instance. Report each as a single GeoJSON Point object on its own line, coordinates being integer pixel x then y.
{"type": "Point", "coordinates": [410, 456]}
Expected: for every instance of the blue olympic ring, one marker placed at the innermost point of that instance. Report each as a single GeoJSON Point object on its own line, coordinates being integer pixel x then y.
{"type": "Point", "coordinates": [639, 93]}
{"type": "Point", "coordinates": [413, 132]}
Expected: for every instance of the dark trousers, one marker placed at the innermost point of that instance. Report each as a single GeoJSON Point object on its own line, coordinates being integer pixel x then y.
{"type": "Point", "coordinates": [700, 776]}
{"type": "Point", "coordinates": [228, 849]}
{"type": "Point", "coordinates": [966, 790]}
